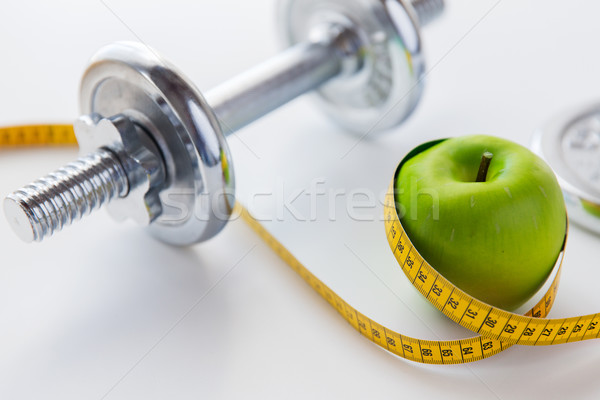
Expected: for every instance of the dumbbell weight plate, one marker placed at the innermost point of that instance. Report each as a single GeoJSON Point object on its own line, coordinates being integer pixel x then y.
{"type": "Point", "coordinates": [388, 85]}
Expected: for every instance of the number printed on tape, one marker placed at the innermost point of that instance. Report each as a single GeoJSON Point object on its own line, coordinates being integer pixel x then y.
{"type": "Point", "coordinates": [496, 329]}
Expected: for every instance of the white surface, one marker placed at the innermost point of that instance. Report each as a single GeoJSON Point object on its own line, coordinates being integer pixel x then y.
{"type": "Point", "coordinates": [103, 311]}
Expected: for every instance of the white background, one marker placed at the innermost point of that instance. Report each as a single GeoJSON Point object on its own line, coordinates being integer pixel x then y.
{"type": "Point", "coordinates": [103, 311]}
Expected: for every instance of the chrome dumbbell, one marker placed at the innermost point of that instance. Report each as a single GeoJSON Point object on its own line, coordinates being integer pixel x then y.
{"type": "Point", "coordinates": [150, 139]}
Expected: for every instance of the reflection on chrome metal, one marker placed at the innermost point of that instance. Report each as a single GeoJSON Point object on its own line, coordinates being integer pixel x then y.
{"type": "Point", "coordinates": [154, 149]}
{"type": "Point", "coordinates": [387, 84]}
{"type": "Point", "coordinates": [570, 143]}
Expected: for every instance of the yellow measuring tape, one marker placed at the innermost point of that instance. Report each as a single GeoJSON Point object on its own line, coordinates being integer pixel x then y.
{"type": "Point", "coordinates": [497, 329]}
{"type": "Point", "coordinates": [37, 135]}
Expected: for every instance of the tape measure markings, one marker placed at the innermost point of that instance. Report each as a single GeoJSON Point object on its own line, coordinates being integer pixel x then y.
{"type": "Point", "coordinates": [527, 330]}
{"type": "Point", "coordinates": [497, 329]}
{"type": "Point", "coordinates": [36, 135]}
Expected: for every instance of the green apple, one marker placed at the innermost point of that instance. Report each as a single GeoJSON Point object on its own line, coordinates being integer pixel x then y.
{"type": "Point", "coordinates": [496, 239]}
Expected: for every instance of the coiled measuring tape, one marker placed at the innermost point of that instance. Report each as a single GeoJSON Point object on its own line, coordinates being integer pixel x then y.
{"type": "Point", "coordinates": [497, 329]}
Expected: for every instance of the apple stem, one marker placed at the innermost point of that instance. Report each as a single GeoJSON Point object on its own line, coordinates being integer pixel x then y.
{"type": "Point", "coordinates": [486, 158]}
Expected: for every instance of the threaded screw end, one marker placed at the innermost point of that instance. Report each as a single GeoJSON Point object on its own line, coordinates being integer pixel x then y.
{"type": "Point", "coordinates": [65, 195]}
{"type": "Point", "coordinates": [427, 10]}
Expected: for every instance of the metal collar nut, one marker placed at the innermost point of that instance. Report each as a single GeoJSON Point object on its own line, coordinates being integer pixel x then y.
{"type": "Point", "coordinates": [140, 159]}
